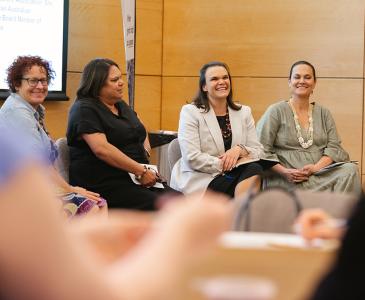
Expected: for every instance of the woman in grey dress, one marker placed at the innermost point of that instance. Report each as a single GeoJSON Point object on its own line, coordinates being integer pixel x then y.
{"type": "Point", "coordinates": [302, 136]}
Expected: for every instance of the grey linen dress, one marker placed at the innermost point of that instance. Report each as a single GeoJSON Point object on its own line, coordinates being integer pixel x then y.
{"type": "Point", "coordinates": [276, 131]}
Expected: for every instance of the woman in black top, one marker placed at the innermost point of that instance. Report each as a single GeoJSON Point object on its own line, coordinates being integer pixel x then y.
{"type": "Point", "coordinates": [107, 141]}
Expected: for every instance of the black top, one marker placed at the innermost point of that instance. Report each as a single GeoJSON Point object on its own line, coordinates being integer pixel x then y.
{"type": "Point", "coordinates": [223, 125]}
{"type": "Point", "coordinates": [124, 131]}
{"type": "Point", "coordinates": [346, 278]}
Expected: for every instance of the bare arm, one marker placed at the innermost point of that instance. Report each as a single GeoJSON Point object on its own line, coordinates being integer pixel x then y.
{"type": "Point", "coordinates": [147, 146]}
{"type": "Point", "coordinates": [146, 143]}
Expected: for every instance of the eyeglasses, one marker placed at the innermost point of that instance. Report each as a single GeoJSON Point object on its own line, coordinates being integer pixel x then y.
{"type": "Point", "coordinates": [33, 82]}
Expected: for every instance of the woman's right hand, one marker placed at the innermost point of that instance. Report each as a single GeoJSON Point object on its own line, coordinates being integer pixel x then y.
{"type": "Point", "coordinates": [149, 178]}
{"type": "Point", "coordinates": [229, 158]}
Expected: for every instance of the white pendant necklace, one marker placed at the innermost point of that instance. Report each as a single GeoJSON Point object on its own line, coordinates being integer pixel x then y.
{"type": "Point", "coordinates": [309, 142]}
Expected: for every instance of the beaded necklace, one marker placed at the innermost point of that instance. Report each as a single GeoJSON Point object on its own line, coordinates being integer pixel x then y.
{"type": "Point", "coordinates": [302, 143]}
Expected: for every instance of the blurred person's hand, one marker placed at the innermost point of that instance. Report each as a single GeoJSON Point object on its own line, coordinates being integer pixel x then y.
{"type": "Point", "coordinates": [196, 220]}
{"type": "Point", "coordinates": [316, 223]}
{"type": "Point", "coordinates": [111, 238]}
{"type": "Point", "coordinates": [185, 230]}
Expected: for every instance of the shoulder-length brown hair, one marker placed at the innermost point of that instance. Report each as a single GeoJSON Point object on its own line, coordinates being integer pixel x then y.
{"type": "Point", "coordinates": [94, 77]}
{"type": "Point", "coordinates": [201, 99]}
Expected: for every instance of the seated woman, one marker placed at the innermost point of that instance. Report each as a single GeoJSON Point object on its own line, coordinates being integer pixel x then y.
{"type": "Point", "coordinates": [214, 132]}
{"type": "Point", "coordinates": [107, 141]}
{"type": "Point", "coordinates": [28, 78]}
{"type": "Point", "coordinates": [302, 136]}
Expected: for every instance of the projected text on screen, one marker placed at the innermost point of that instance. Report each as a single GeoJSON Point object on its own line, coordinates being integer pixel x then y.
{"type": "Point", "coordinates": [32, 27]}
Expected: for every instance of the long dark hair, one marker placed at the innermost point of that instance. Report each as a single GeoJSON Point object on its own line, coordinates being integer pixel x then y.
{"type": "Point", "coordinates": [201, 99]}
{"type": "Point", "coordinates": [94, 77]}
{"type": "Point", "coordinates": [303, 62]}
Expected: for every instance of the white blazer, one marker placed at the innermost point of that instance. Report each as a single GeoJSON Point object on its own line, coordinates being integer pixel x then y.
{"type": "Point", "coordinates": [201, 143]}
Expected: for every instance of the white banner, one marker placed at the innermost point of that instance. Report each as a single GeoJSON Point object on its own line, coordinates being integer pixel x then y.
{"type": "Point", "coordinates": [129, 29]}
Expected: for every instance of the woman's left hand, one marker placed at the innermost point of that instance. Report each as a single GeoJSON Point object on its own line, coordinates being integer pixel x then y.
{"type": "Point", "coordinates": [309, 169]}
{"type": "Point", "coordinates": [229, 158]}
{"type": "Point", "coordinates": [84, 192]}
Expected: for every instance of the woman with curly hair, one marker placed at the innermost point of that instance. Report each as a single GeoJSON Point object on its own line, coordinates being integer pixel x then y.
{"type": "Point", "coordinates": [28, 78]}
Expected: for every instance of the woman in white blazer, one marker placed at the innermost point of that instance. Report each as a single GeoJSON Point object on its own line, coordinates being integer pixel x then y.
{"type": "Point", "coordinates": [214, 132]}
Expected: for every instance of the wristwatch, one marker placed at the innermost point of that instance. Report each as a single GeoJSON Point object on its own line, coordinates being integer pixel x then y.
{"type": "Point", "coordinates": [139, 177]}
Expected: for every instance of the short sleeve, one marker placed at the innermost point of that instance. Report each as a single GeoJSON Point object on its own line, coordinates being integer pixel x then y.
{"type": "Point", "coordinates": [83, 119]}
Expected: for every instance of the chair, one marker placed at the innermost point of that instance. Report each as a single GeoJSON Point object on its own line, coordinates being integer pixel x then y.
{"type": "Point", "coordinates": [173, 155]}
{"type": "Point", "coordinates": [62, 163]}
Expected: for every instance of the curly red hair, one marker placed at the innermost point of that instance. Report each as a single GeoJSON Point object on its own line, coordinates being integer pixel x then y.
{"type": "Point", "coordinates": [21, 65]}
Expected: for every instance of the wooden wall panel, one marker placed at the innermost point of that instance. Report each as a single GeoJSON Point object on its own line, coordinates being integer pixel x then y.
{"type": "Point", "coordinates": [263, 37]}
{"type": "Point", "coordinates": [176, 91]}
{"type": "Point", "coordinates": [149, 37]}
{"type": "Point", "coordinates": [148, 101]}
{"type": "Point", "coordinates": [95, 30]}
{"type": "Point", "coordinates": [341, 96]}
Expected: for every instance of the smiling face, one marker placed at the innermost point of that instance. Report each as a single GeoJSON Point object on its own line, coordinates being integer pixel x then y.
{"type": "Point", "coordinates": [34, 95]}
{"type": "Point", "coordinates": [217, 83]}
{"type": "Point", "coordinates": [302, 81]}
{"type": "Point", "coordinates": [112, 91]}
